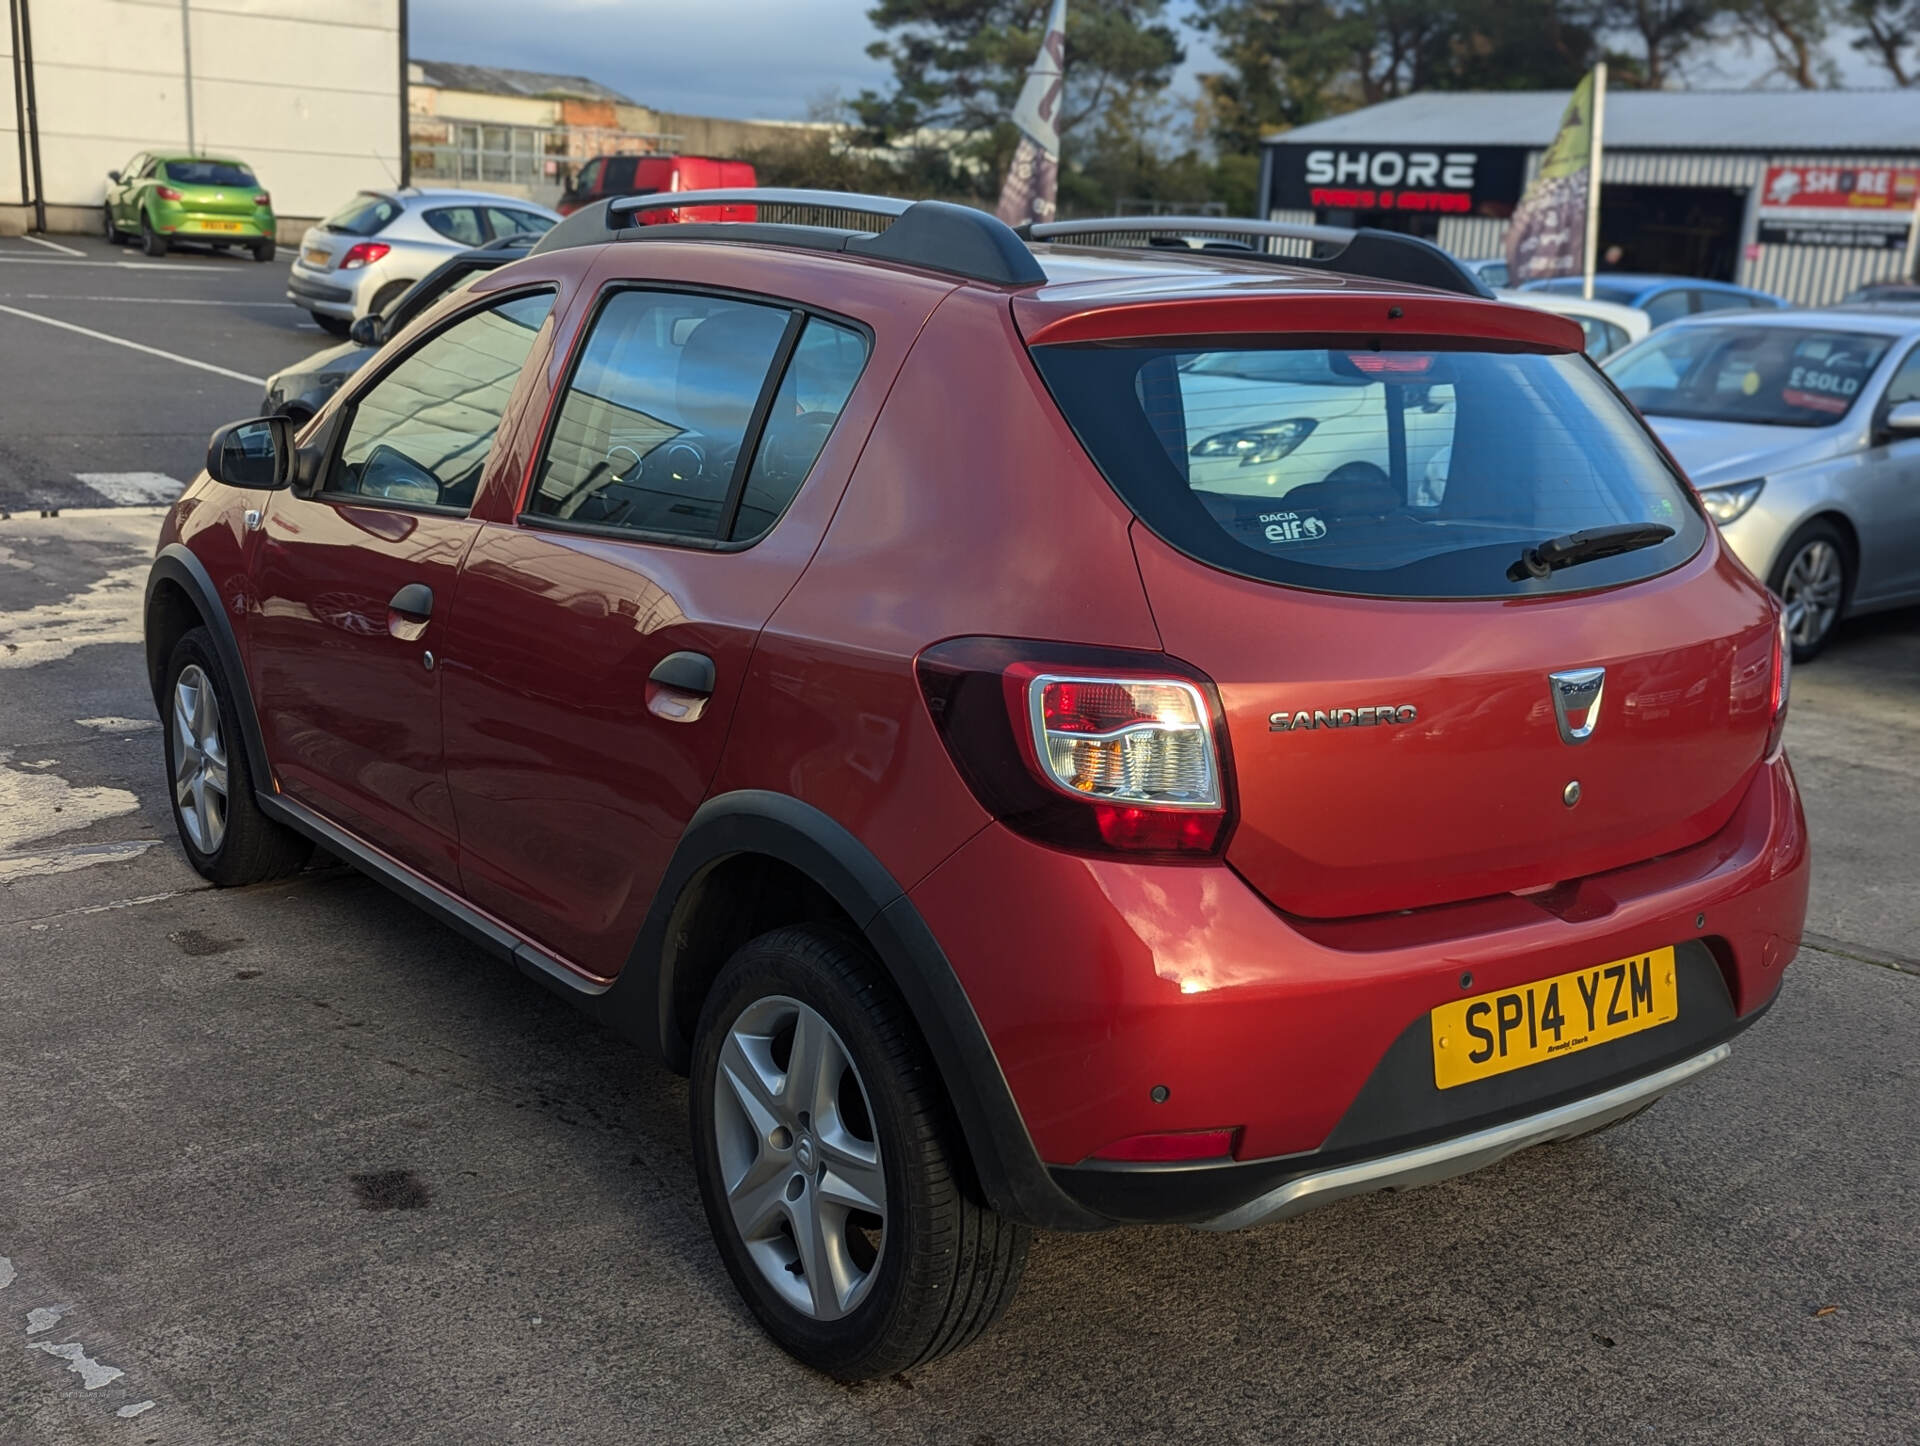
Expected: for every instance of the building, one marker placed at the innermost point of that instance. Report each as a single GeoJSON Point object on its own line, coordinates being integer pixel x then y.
{"type": "Point", "coordinates": [307, 91]}
{"type": "Point", "coordinates": [1806, 194]}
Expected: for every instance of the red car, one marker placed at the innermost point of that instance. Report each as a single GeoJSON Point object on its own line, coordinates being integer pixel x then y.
{"type": "Point", "coordinates": [605, 177]}
{"type": "Point", "coordinates": [924, 684]}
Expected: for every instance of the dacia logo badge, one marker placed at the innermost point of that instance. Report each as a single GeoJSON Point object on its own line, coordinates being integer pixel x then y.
{"type": "Point", "coordinates": [1576, 701]}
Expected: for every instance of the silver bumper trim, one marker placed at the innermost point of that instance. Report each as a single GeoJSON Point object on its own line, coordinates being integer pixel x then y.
{"type": "Point", "coordinates": [1446, 1158]}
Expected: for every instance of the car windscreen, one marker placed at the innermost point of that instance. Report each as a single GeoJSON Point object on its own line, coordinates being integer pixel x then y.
{"type": "Point", "coordinates": [1377, 473]}
{"type": "Point", "coordinates": [209, 173]}
{"type": "Point", "coordinates": [1780, 376]}
{"type": "Point", "coordinates": [365, 215]}
{"type": "Point", "coordinates": [1620, 293]}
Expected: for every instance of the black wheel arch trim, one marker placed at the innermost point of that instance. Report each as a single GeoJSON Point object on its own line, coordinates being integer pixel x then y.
{"type": "Point", "coordinates": [175, 564]}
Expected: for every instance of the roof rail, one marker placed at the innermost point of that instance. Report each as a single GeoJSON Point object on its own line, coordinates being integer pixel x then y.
{"type": "Point", "coordinates": [937, 235]}
{"type": "Point", "coordinates": [1384, 255]}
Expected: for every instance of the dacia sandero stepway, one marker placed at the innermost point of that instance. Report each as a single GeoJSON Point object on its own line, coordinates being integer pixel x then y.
{"type": "Point", "coordinates": [1048, 733]}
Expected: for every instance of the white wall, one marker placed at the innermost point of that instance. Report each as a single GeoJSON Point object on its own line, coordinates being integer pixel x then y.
{"type": "Point", "coordinates": [306, 91]}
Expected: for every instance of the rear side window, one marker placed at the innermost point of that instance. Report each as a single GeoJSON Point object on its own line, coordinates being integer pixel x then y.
{"type": "Point", "coordinates": [421, 434]}
{"type": "Point", "coordinates": [1667, 306]}
{"type": "Point", "coordinates": [365, 215]}
{"type": "Point", "coordinates": [457, 223]}
{"type": "Point", "coordinates": [694, 417]}
{"type": "Point", "coordinates": [504, 221]}
{"type": "Point", "coordinates": [1379, 473]}
{"type": "Point", "coordinates": [620, 174]}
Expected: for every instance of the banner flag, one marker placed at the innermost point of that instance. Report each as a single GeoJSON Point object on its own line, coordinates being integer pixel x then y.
{"type": "Point", "coordinates": [1551, 231]}
{"type": "Point", "coordinates": [1033, 178]}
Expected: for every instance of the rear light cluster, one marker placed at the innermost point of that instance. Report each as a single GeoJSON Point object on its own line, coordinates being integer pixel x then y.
{"type": "Point", "coordinates": [263, 199]}
{"type": "Point", "coordinates": [363, 253]}
{"type": "Point", "coordinates": [1782, 685]}
{"type": "Point", "coordinates": [166, 193]}
{"type": "Point", "coordinates": [1093, 750]}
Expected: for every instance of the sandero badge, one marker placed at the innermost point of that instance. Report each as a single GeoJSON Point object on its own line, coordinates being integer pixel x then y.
{"type": "Point", "coordinates": [1303, 721]}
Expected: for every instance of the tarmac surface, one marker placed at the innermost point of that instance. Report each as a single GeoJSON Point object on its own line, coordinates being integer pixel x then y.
{"type": "Point", "coordinates": [296, 1164]}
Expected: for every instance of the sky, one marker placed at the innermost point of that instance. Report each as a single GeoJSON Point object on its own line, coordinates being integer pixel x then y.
{"type": "Point", "coordinates": [765, 59]}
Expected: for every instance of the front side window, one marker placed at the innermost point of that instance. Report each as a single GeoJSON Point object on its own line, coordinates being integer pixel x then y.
{"type": "Point", "coordinates": [589, 181]}
{"type": "Point", "coordinates": [662, 432]}
{"type": "Point", "coordinates": [1667, 306]}
{"type": "Point", "coordinates": [421, 434]}
{"type": "Point", "coordinates": [1771, 375]}
{"type": "Point", "coordinates": [1375, 473]}
{"type": "Point", "coordinates": [1905, 384]}
{"type": "Point", "coordinates": [457, 223]}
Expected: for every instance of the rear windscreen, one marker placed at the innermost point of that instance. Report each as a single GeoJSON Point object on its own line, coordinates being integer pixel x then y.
{"type": "Point", "coordinates": [365, 215]}
{"type": "Point", "coordinates": [209, 173]}
{"type": "Point", "coordinates": [1381, 473]}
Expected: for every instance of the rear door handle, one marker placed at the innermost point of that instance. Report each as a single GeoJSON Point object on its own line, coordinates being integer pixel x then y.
{"type": "Point", "coordinates": [414, 602]}
{"type": "Point", "coordinates": [679, 686]}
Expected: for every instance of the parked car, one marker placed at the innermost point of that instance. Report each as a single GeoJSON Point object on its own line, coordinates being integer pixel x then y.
{"type": "Point", "coordinates": [608, 176]}
{"type": "Point", "coordinates": [812, 653]}
{"type": "Point", "coordinates": [1490, 269]}
{"type": "Point", "coordinates": [1882, 293]}
{"type": "Point", "coordinates": [298, 391]}
{"type": "Point", "coordinates": [1663, 298]}
{"type": "Point", "coordinates": [364, 256]}
{"type": "Point", "coordinates": [1607, 325]}
{"type": "Point", "coordinates": [1802, 433]}
{"type": "Point", "coordinates": [159, 200]}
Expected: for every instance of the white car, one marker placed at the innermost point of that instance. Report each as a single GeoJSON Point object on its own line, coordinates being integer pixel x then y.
{"type": "Point", "coordinates": [364, 256]}
{"type": "Point", "coordinates": [1608, 325]}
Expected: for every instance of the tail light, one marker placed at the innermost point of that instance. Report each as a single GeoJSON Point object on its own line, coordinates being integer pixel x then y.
{"type": "Point", "coordinates": [1092, 750]}
{"type": "Point", "coordinates": [166, 193]}
{"type": "Point", "coordinates": [363, 253]}
{"type": "Point", "coordinates": [1782, 685]}
{"type": "Point", "coordinates": [263, 199]}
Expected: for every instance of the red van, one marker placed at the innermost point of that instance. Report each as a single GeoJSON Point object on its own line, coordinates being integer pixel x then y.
{"type": "Point", "coordinates": [605, 176]}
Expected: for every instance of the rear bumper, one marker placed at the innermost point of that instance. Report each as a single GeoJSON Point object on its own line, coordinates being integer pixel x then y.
{"type": "Point", "coordinates": [1101, 984]}
{"type": "Point", "coordinates": [323, 296]}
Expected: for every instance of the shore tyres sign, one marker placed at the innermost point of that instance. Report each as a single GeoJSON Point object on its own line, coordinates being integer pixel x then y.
{"type": "Point", "coordinates": [1849, 189]}
{"type": "Point", "coordinates": [1461, 180]}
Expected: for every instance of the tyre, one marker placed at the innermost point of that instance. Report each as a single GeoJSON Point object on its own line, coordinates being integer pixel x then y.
{"type": "Point", "coordinates": [263, 249]}
{"type": "Point", "coordinates": [108, 229]}
{"type": "Point", "coordinates": [151, 240]}
{"type": "Point", "coordinates": [835, 1186]}
{"type": "Point", "coordinates": [1813, 577]}
{"type": "Point", "coordinates": [226, 837]}
{"type": "Point", "coordinates": [331, 325]}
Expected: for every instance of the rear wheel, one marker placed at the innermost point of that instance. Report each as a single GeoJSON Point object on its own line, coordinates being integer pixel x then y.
{"type": "Point", "coordinates": [151, 240]}
{"type": "Point", "coordinates": [263, 249]}
{"type": "Point", "coordinates": [1813, 580]}
{"type": "Point", "coordinates": [833, 1183]}
{"type": "Point", "coordinates": [226, 837]}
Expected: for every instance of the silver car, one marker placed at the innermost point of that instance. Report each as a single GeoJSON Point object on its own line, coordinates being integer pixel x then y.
{"type": "Point", "coordinates": [366, 254]}
{"type": "Point", "coordinates": [1802, 431]}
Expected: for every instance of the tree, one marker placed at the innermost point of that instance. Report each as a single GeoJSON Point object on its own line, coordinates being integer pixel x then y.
{"type": "Point", "coordinates": [1890, 32]}
{"type": "Point", "coordinates": [1668, 31]}
{"type": "Point", "coordinates": [1794, 32]}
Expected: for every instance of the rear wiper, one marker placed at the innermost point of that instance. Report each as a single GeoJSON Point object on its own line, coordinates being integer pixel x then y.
{"type": "Point", "coordinates": [1543, 558]}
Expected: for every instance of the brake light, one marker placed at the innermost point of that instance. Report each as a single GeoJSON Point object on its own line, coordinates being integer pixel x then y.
{"type": "Point", "coordinates": [166, 193]}
{"type": "Point", "coordinates": [1782, 685]}
{"type": "Point", "coordinates": [1092, 750]}
{"type": "Point", "coordinates": [1391, 363]}
{"type": "Point", "coordinates": [363, 253]}
{"type": "Point", "coordinates": [263, 199]}
{"type": "Point", "coordinates": [1171, 1146]}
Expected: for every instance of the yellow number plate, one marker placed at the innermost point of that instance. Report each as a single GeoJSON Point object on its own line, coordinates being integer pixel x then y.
{"type": "Point", "coordinates": [222, 225]}
{"type": "Point", "coordinates": [1512, 1028]}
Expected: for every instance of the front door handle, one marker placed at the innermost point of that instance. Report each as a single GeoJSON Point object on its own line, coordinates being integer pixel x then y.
{"type": "Point", "coordinates": [679, 686]}
{"type": "Point", "coordinates": [414, 602]}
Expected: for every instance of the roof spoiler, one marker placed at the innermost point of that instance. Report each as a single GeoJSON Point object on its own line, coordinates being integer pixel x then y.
{"type": "Point", "coordinates": [1383, 255]}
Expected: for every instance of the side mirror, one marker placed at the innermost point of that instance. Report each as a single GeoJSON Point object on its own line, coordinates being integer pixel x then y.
{"type": "Point", "coordinates": [1903, 420]}
{"type": "Point", "coordinates": [365, 330]}
{"type": "Point", "coordinates": [256, 454]}
{"type": "Point", "coordinates": [114, 176]}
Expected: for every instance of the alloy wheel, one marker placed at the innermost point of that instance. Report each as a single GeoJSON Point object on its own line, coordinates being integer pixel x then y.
{"type": "Point", "coordinates": [1811, 591]}
{"type": "Point", "coordinates": [799, 1158]}
{"type": "Point", "coordinates": [199, 760]}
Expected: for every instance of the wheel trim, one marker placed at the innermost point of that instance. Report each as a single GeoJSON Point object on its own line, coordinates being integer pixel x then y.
{"type": "Point", "coordinates": [1812, 590]}
{"type": "Point", "coordinates": [803, 1181]}
{"type": "Point", "coordinates": [199, 760]}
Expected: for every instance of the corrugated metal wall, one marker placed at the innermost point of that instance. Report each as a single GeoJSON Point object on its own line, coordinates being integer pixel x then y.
{"type": "Point", "coordinates": [1806, 275]}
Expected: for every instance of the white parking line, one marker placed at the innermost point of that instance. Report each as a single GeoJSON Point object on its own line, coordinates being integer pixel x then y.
{"type": "Point", "coordinates": [136, 300]}
{"type": "Point", "coordinates": [54, 246]}
{"type": "Point", "coordinates": [185, 361]}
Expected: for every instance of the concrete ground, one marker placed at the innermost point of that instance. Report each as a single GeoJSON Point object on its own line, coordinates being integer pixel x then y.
{"type": "Point", "coordinates": [295, 1164]}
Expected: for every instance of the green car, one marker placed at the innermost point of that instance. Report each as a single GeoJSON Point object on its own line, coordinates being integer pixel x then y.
{"type": "Point", "coordinates": [163, 199]}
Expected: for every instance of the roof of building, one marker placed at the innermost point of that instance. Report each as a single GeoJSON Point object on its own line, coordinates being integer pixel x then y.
{"type": "Point", "coordinates": [1673, 120]}
{"type": "Point", "coordinates": [498, 80]}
